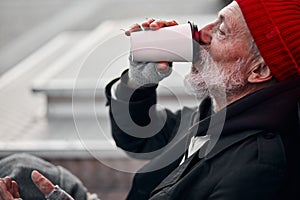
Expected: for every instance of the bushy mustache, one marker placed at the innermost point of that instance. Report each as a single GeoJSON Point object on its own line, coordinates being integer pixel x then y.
{"type": "Point", "coordinates": [208, 76]}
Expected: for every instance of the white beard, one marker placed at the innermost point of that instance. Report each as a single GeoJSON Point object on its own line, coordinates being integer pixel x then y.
{"type": "Point", "coordinates": [209, 78]}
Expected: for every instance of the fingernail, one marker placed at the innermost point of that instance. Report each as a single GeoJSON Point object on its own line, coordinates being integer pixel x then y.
{"type": "Point", "coordinates": [35, 175]}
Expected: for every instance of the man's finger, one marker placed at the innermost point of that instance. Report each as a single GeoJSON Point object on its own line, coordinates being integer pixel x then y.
{"type": "Point", "coordinates": [133, 28]}
{"type": "Point", "coordinates": [15, 190]}
{"type": "Point", "coordinates": [162, 67]}
{"type": "Point", "coordinates": [42, 183]}
{"type": "Point", "coordinates": [8, 182]}
{"type": "Point", "coordinates": [171, 23]}
{"type": "Point", "coordinates": [157, 24]}
{"type": "Point", "coordinates": [162, 23]}
{"type": "Point", "coordinates": [147, 23]}
{"type": "Point", "coordinates": [4, 193]}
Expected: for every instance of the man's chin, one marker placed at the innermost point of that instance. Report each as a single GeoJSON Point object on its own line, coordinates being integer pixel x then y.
{"type": "Point", "coordinates": [195, 88]}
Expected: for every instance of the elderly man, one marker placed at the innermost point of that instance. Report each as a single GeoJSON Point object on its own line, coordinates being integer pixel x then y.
{"type": "Point", "coordinates": [242, 142]}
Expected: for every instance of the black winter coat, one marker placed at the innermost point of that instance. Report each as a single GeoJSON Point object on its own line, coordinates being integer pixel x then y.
{"type": "Point", "coordinates": [253, 152]}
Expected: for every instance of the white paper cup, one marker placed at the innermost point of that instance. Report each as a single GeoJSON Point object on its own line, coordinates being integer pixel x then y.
{"type": "Point", "coordinates": [172, 44]}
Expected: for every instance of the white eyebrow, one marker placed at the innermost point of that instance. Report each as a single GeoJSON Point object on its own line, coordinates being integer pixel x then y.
{"type": "Point", "coordinates": [222, 19]}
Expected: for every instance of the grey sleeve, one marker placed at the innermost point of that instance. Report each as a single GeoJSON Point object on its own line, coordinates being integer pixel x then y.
{"type": "Point", "coordinates": [59, 194]}
{"type": "Point", "coordinates": [93, 197]}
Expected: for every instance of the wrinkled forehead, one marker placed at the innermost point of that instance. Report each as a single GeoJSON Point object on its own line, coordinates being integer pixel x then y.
{"type": "Point", "coordinates": [232, 8]}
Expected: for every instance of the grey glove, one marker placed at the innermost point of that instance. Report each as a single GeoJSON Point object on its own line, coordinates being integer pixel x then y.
{"type": "Point", "coordinates": [144, 73]}
{"type": "Point", "coordinates": [58, 194]}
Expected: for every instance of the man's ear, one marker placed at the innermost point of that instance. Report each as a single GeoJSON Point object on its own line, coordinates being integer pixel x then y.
{"type": "Point", "coordinates": [260, 73]}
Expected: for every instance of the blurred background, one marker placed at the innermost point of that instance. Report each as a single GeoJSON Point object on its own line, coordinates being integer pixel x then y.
{"type": "Point", "coordinates": [55, 59]}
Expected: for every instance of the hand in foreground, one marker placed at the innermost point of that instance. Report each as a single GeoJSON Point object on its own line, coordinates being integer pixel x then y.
{"type": "Point", "coordinates": [42, 183]}
{"type": "Point", "coordinates": [8, 189]}
{"type": "Point", "coordinates": [50, 191]}
{"type": "Point", "coordinates": [141, 73]}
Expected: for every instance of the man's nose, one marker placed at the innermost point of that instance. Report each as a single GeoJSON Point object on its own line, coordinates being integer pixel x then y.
{"type": "Point", "coordinates": [205, 34]}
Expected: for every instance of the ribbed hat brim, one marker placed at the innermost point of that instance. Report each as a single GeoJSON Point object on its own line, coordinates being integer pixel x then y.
{"type": "Point", "coordinates": [275, 27]}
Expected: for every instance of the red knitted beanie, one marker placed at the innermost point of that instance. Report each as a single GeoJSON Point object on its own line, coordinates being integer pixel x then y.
{"type": "Point", "coordinates": [275, 27]}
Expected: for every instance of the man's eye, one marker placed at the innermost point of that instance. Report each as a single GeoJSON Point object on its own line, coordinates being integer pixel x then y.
{"type": "Point", "coordinates": [220, 30]}
{"type": "Point", "coordinates": [221, 34]}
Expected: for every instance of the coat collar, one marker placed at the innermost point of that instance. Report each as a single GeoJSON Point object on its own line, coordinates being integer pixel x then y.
{"type": "Point", "coordinates": [225, 142]}
{"type": "Point", "coordinates": [222, 145]}
{"type": "Point", "coordinates": [271, 108]}
{"type": "Point", "coordinates": [232, 130]}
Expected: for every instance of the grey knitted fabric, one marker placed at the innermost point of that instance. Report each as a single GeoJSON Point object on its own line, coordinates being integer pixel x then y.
{"type": "Point", "coordinates": [144, 73]}
{"type": "Point", "coordinates": [58, 194]}
{"type": "Point", "coordinates": [20, 166]}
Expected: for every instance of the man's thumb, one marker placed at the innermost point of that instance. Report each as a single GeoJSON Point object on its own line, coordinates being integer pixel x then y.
{"type": "Point", "coordinates": [42, 183]}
